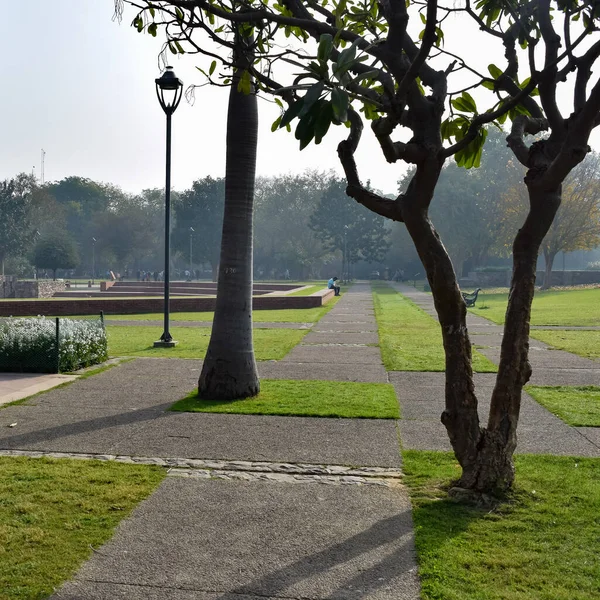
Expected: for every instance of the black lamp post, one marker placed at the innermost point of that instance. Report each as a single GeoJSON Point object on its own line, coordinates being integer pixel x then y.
{"type": "Point", "coordinates": [191, 263]}
{"type": "Point", "coordinates": [93, 259]}
{"type": "Point", "coordinates": [169, 91]}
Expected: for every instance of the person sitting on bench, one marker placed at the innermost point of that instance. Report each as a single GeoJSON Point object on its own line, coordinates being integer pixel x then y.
{"type": "Point", "coordinates": [332, 286]}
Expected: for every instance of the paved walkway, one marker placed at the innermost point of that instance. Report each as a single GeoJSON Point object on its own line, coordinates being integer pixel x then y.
{"type": "Point", "coordinates": [259, 507]}
{"type": "Point", "coordinates": [421, 395]}
{"type": "Point", "coordinates": [265, 506]}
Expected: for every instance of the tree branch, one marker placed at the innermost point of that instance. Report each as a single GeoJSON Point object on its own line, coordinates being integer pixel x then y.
{"type": "Point", "coordinates": [524, 125]}
{"type": "Point", "coordinates": [346, 149]}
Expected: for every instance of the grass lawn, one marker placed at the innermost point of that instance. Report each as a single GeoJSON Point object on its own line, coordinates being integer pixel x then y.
{"type": "Point", "coordinates": [54, 511]}
{"type": "Point", "coordinates": [542, 545]}
{"type": "Point", "coordinates": [306, 399]}
{"type": "Point", "coordinates": [584, 343]}
{"type": "Point", "coordinates": [292, 315]}
{"type": "Point", "coordinates": [309, 290]}
{"type": "Point", "coordinates": [576, 406]}
{"type": "Point", "coordinates": [552, 307]}
{"type": "Point", "coordinates": [410, 339]}
{"type": "Point", "coordinates": [269, 344]}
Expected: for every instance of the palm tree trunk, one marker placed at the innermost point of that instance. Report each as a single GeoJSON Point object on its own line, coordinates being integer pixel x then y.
{"type": "Point", "coordinates": [229, 370]}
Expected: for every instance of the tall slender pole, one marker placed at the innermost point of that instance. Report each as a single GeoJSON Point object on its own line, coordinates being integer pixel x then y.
{"type": "Point", "coordinates": [191, 270]}
{"type": "Point", "coordinates": [166, 336]}
{"type": "Point", "coordinates": [93, 260]}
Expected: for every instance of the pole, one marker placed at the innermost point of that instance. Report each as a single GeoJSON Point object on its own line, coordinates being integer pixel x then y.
{"type": "Point", "coordinates": [345, 258]}
{"type": "Point", "coordinates": [166, 339]}
{"type": "Point", "coordinates": [191, 270]}
{"type": "Point", "coordinates": [93, 261]}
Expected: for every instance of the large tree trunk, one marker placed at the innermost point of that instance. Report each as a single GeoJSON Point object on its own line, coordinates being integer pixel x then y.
{"type": "Point", "coordinates": [493, 469]}
{"type": "Point", "coordinates": [229, 369]}
{"type": "Point", "coordinates": [485, 454]}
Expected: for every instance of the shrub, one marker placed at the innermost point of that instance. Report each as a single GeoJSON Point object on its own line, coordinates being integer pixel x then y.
{"type": "Point", "coordinates": [29, 345]}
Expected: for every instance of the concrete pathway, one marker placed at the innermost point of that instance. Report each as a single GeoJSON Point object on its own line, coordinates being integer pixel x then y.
{"type": "Point", "coordinates": [264, 507]}
{"type": "Point", "coordinates": [15, 386]}
{"type": "Point", "coordinates": [258, 506]}
{"type": "Point", "coordinates": [421, 395]}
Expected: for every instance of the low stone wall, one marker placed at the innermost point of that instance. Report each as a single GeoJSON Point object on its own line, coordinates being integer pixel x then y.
{"type": "Point", "coordinates": [40, 288]}
{"type": "Point", "coordinates": [7, 286]}
{"type": "Point", "coordinates": [60, 307]}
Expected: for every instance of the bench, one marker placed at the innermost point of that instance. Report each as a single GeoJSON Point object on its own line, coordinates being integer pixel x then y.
{"type": "Point", "coordinates": [471, 298]}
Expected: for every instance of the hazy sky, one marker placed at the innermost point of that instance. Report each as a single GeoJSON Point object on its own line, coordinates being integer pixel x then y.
{"type": "Point", "coordinates": [81, 86]}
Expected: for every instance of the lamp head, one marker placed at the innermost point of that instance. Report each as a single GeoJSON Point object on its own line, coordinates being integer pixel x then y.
{"type": "Point", "coordinates": [169, 90]}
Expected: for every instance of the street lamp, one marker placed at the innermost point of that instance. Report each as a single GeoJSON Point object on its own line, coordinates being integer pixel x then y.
{"type": "Point", "coordinates": [93, 259]}
{"type": "Point", "coordinates": [345, 261]}
{"type": "Point", "coordinates": [169, 90]}
{"type": "Point", "coordinates": [191, 270]}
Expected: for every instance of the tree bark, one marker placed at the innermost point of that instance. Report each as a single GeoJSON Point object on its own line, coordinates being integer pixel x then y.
{"type": "Point", "coordinates": [229, 370]}
{"type": "Point", "coordinates": [493, 470]}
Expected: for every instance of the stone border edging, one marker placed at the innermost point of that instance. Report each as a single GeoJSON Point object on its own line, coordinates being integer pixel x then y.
{"type": "Point", "coordinates": [239, 469]}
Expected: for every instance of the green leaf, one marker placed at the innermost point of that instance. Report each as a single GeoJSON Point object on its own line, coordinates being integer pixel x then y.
{"type": "Point", "coordinates": [312, 95]}
{"type": "Point", "coordinates": [323, 120]}
{"type": "Point", "coordinates": [213, 66]}
{"type": "Point", "coordinates": [486, 83]}
{"type": "Point", "coordinates": [275, 124]}
{"type": "Point", "coordinates": [152, 29]}
{"type": "Point", "coordinates": [495, 72]}
{"type": "Point", "coordinates": [340, 103]}
{"type": "Point", "coordinates": [291, 113]}
{"type": "Point", "coordinates": [244, 84]}
{"type": "Point", "coordinates": [465, 103]}
{"type": "Point", "coordinates": [325, 47]}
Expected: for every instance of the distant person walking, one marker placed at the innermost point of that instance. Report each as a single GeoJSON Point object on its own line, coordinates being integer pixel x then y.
{"type": "Point", "coordinates": [331, 285]}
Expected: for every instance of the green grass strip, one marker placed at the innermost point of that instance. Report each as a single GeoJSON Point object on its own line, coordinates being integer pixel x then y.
{"type": "Point", "coordinates": [53, 512]}
{"type": "Point", "coordinates": [583, 343]}
{"type": "Point", "coordinates": [269, 344]}
{"type": "Point", "coordinates": [541, 545]}
{"type": "Point", "coordinates": [579, 308]}
{"type": "Point", "coordinates": [576, 406]}
{"type": "Point", "coordinates": [409, 338]}
{"type": "Point", "coordinates": [309, 290]}
{"type": "Point", "coordinates": [286, 315]}
{"type": "Point", "coordinates": [306, 399]}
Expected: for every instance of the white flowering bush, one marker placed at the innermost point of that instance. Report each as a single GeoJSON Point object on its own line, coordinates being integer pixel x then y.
{"type": "Point", "coordinates": [29, 345]}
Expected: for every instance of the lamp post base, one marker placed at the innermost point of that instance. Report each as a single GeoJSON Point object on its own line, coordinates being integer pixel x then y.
{"type": "Point", "coordinates": [165, 344]}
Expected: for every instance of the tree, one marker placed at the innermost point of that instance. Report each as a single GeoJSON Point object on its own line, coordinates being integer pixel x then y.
{"type": "Point", "coordinates": [229, 369]}
{"type": "Point", "coordinates": [350, 228]}
{"type": "Point", "coordinates": [283, 238]}
{"type": "Point", "coordinates": [54, 251]}
{"type": "Point", "coordinates": [577, 222]}
{"type": "Point", "coordinates": [368, 59]}
{"type": "Point", "coordinates": [16, 231]}
{"type": "Point", "coordinates": [201, 208]}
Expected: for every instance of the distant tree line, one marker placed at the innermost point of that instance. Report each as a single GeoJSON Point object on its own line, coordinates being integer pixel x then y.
{"type": "Point", "coordinates": [305, 226]}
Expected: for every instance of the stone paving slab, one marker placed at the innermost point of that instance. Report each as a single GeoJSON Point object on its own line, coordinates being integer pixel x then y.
{"type": "Point", "coordinates": [237, 539]}
{"type": "Point", "coordinates": [334, 355]}
{"type": "Point", "coordinates": [152, 432]}
{"type": "Point", "coordinates": [547, 359]}
{"type": "Point", "coordinates": [344, 328]}
{"type": "Point", "coordinates": [591, 433]}
{"type": "Point", "coordinates": [265, 438]}
{"type": "Point", "coordinates": [372, 373]}
{"type": "Point", "coordinates": [554, 376]}
{"type": "Point", "coordinates": [364, 338]}
{"type": "Point", "coordinates": [16, 386]}
{"type": "Point", "coordinates": [431, 435]}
